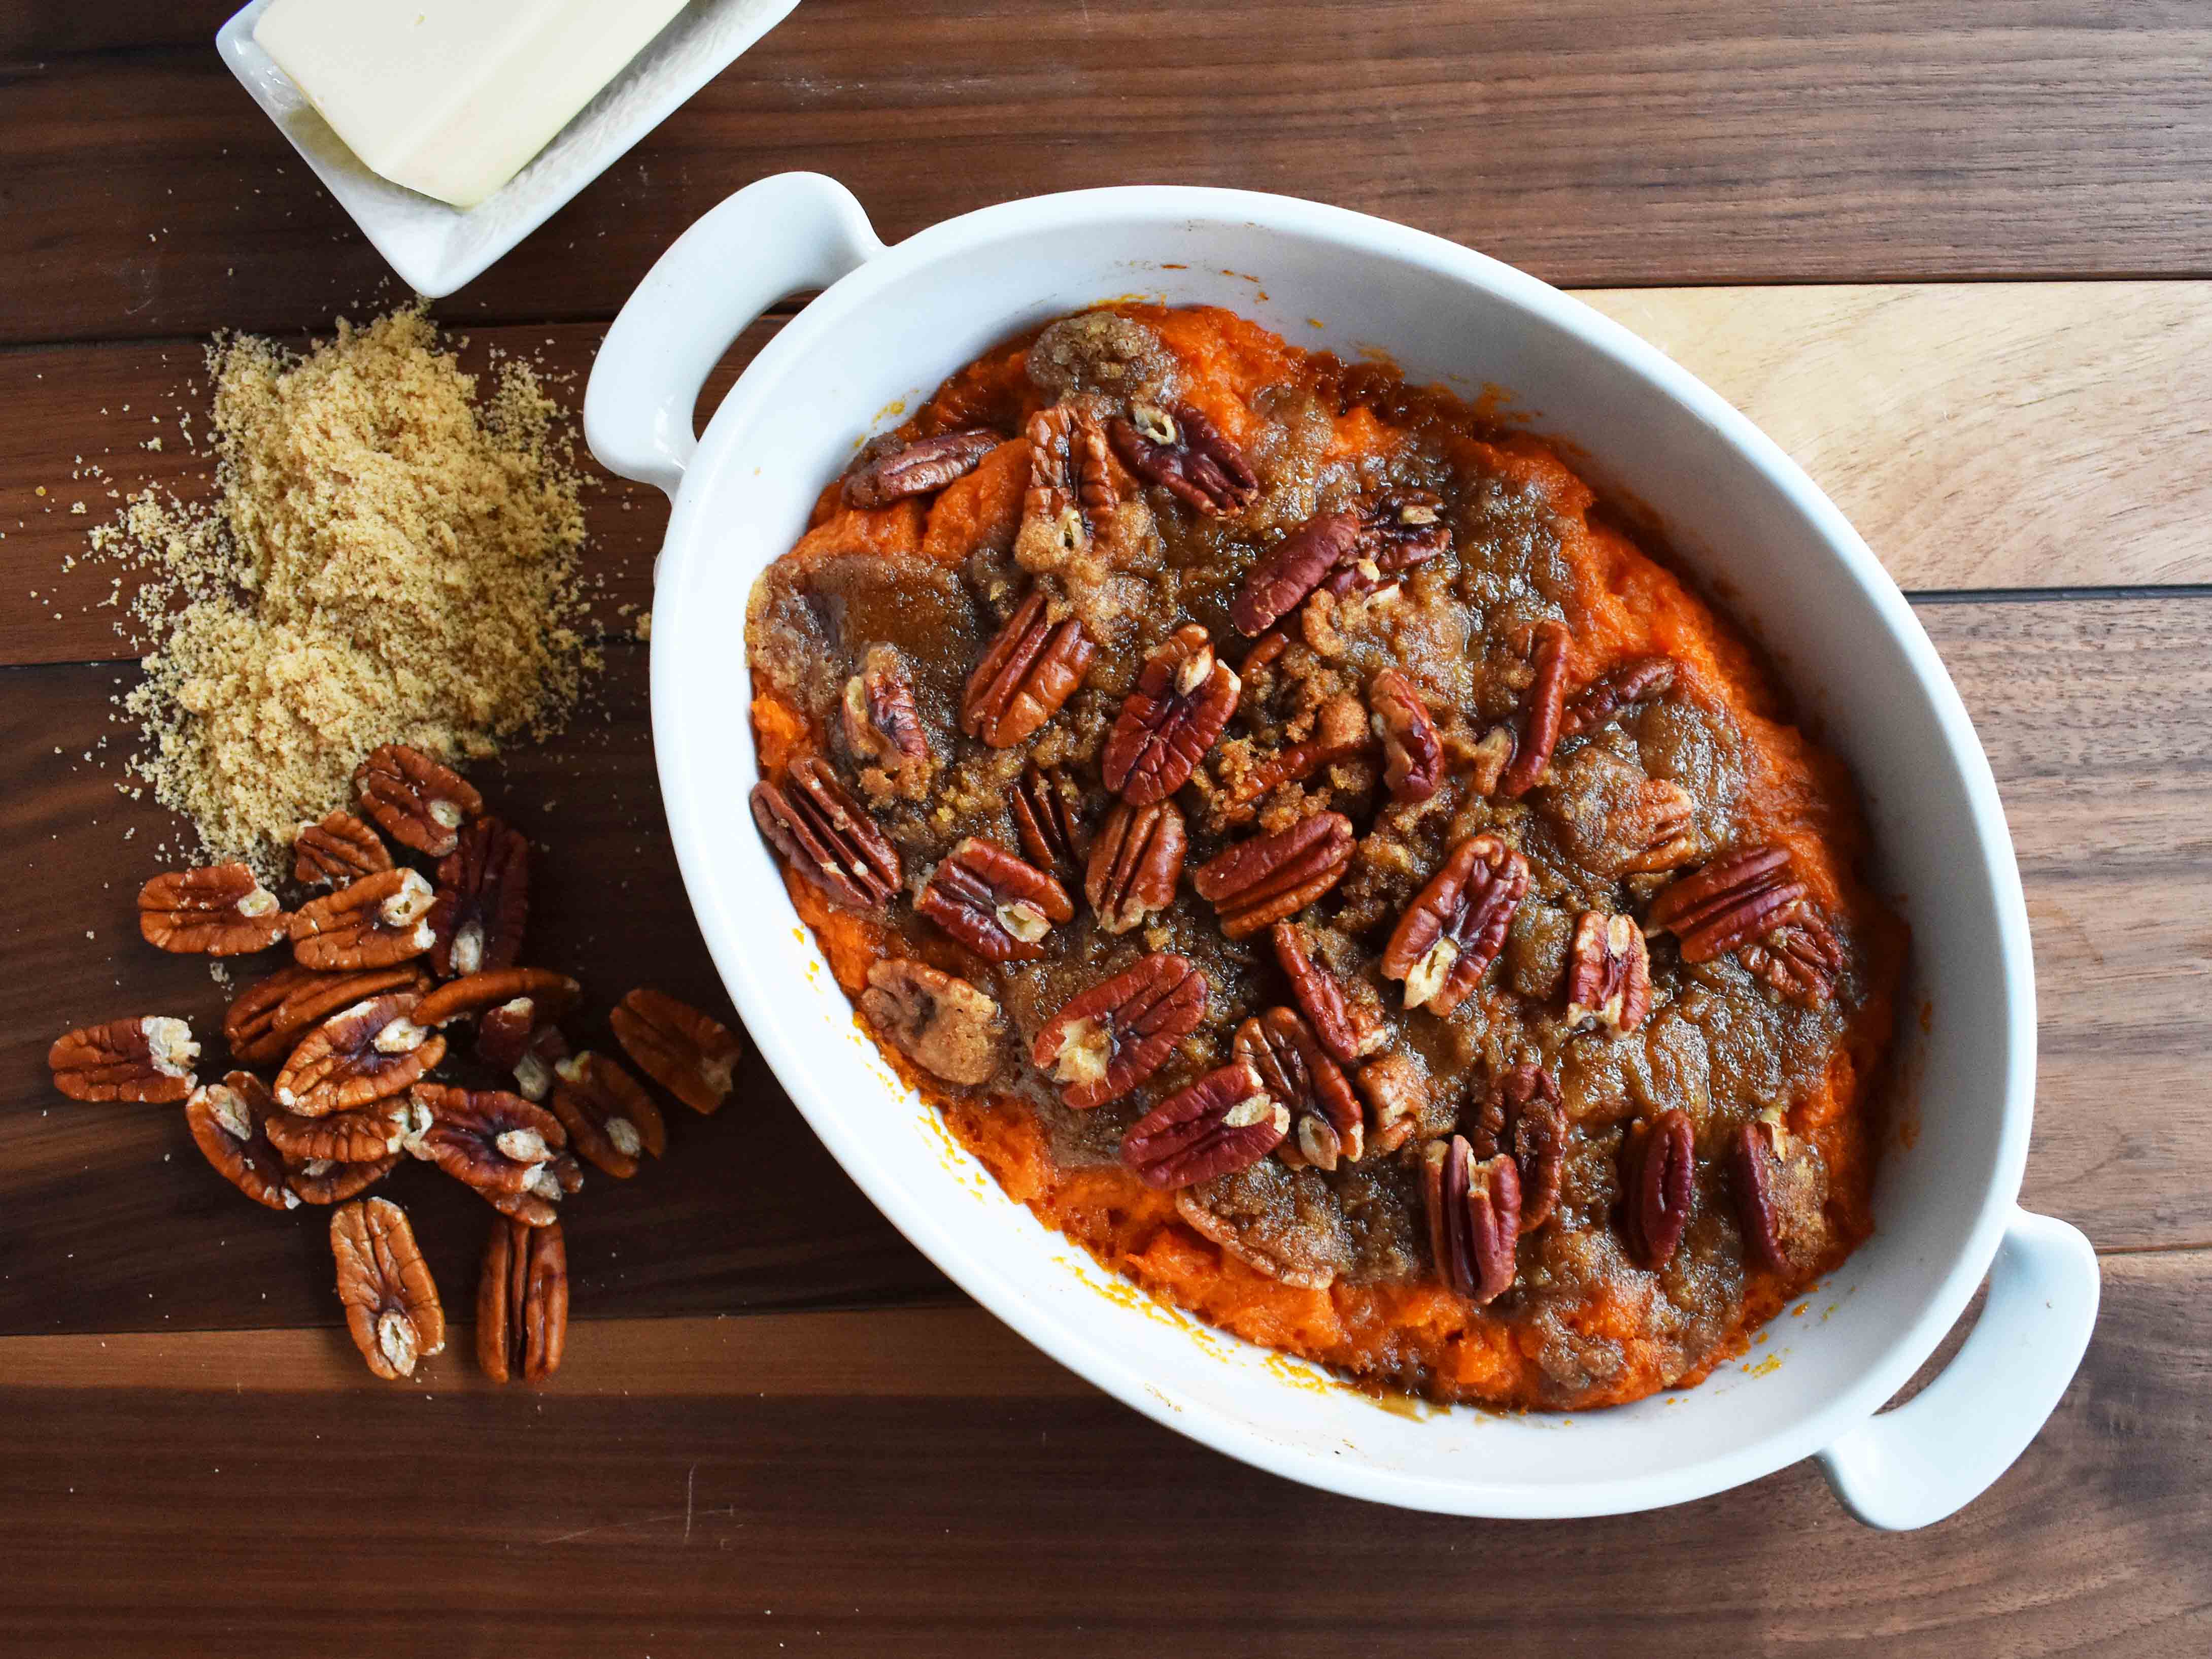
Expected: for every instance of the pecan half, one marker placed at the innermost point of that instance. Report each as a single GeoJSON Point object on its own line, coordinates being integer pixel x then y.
{"type": "Point", "coordinates": [1456, 925]}
{"type": "Point", "coordinates": [268, 1018]}
{"type": "Point", "coordinates": [366, 1053]}
{"type": "Point", "coordinates": [1397, 531]}
{"type": "Point", "coordinates": [1108, 1039]}
{"type": "Point", "coordinates": [1657, 1159]}
{"type": "Point", "coordinates": [1223, 1122]}
{"type": "Point", "coordinates": [993, 902]}
{"type": "Point", "coordinates": [1326, 1121]}
{"type": "Point", "coordinates": [1233, 1241]}
{"type": "Point", "coordinates": [1655, 828]}
{"type": "Point", "coordinates": [692, 1055]}
{"type": "Point", "coordinates": [1183, 697]}
{"type": "Point", "coordinates": [608, 1114]}
{"type": "Point", "coordinates": [390, 1303]}
{"type": "Point", "coordinates": [919, 468]}
{"type": "Point", "coordinates": [227, 1122]}
{"type": "Point", "coordinates": [1522, 1117]}
{"type": "Point", "coordinates": [943, 1024]}
{"type": "Point", "coordinates": [1412, 754]}
{"type": "Point", "coordinates": [378, 920]}
{"type": "Point", "coordinates": [1608, 974]}
{"type": "Point", "coordinates": [1027, 672]}
{"type": "Point", "coordinates": [482, 901]}
{"type": "Point", "coordinates": [537, 1204]}
{"type": "Point", "coordinates": [362, 1135]}
{"type": "Point", "coordinates": [882, 726]}
{"type": "Point", "coordinates": [147, 1060]}
{"type": "Point", "coordinates": [1620, 687]}
{"type": "Point", "coordinates": [522, 1302]}
{"type": "Point", "coordinates": [1781, 1188]}
{"type": "Point", "coordinates": [338, 850]}
{"type": "Point", "coordinates": [1396, 1093]}
{"type": "Point", "coordinates": [219, 911]}
{"type": "Point", "coordinates": [1800, 961]}
{"type": "Point", "coordinates": [1184, 453]}
{"type": "Point", "coordinates": [1348, 1031]}
{"type": "Point", "coordinates": [825, 836]}
{"type": "Point", "coordinates": [1539, 717]}
{"type": "Point", "coordinates": [1135, 864]}
{"type": "Point", "coordinates": [1047, 809]}
{"type": "Point", "coordinates": [414, 800]}
{"type": "Point", "coordinates": [487, 1138]}
{"type": "Point", "coordinates": [1071, 493]}
{"type": "Point", "coordinates": [550, 994]}
{"type": "Point", "coordinates": [1474, 1217]}
{"type": "Point", "coordinates": [1257, 883]}
{"type": "Point", "coordinates": [1279, 583]}
{"type": "Point", "coordinates": [319, 1181]}
{"type": "Point", "coordinates": [530, 1049]}
{"type": "Point", "coordinates": [1728, 903]}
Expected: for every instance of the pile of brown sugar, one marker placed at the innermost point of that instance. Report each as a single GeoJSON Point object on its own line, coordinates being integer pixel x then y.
{"type": "Point", "coordinates": [389, 558]}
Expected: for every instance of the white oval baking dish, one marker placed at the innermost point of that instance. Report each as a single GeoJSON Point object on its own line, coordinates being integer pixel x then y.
{"type": "Point", "coordinates": [890, 324]}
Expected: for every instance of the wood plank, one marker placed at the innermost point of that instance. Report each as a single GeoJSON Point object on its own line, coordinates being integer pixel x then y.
{"type": "Point", "coordinates": [2094, 713]}
{"type": "Point", "coordinates": [864, 1523]}
{"type": "Point", "coordinates": [1695, 142]}
{"type": "Point", "coordinates": [1985, 435]}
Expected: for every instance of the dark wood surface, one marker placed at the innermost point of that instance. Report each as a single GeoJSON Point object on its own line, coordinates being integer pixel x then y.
{"type": "Point", "coordinates": [780, 1429]}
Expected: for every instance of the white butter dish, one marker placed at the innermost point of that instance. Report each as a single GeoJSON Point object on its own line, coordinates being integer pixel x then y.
{"type": "Point", "coordinates": [435, 248]}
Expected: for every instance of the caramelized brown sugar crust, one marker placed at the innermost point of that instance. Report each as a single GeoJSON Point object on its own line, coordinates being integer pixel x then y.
{"type": "Point", "coordinates": [1602, 730]}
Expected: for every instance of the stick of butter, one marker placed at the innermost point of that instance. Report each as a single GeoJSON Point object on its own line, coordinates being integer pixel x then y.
{"type": "Point", "coordinates": [453, 97]}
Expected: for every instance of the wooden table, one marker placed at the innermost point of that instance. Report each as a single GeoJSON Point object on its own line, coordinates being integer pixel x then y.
{"type": "Point", "coordinates": [779, 1428]}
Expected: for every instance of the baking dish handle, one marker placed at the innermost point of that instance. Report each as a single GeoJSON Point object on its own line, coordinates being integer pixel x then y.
{"type": "Point", "coordinates": [1945, 1446]}
{"type": "Point", "coordinates": [778, 236]}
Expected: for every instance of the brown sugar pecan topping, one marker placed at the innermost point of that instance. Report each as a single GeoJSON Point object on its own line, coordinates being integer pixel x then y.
{"type": "Point", "coordinates": [219, 911]}
{"type": "Point", "coordinates": [228, 1120]}
{"type": "Point", "coordinates": [1522, 1117]}
{"type": "Point", "coordinates": [1456, 925]}
{"type": "Point", "coordinates": [1111, 1037]}
{"type": "Point", "coordinates": [921, 468]}
{"type": "Point", "coordinates": [1135, 864]}
{"type": "Point", "coordinates": [414, 800]}
{"type": "Point", "coordinates": [1326, 1121]}
{"type": "Point", "coordinates": [1656, 1161]}
{"type": "Point", "coordinates": [1257, 883]}
{"type": "Point", "coordinates": [1780, 1186]}
{"type": "Point", "coordinates": [1737, 898]}
{"type": "Point", "coordinates": [319, 1181]}
{"type": "Point", "coordinates": [487, 1138]}
{"type": "Point", "coordinates": [882, 726]}
{"type": "Point", "coordinates": [267, 1021]}
{"type": "Point", "coordinates": [1396, 1093]}
{"type": "Point", "coordinates": [1608, 974]}
{"type": "Point", "coordinates": [1220, 1231]}
{"type": "Point", "coordinates": [1397, 531]}
{"type": "Point", "coordinates": [1223, 1122]}
{"type": "Point", "coordinates": [1027, 672]}
{"type": "Point", "coordinates": [390, 1303]}
{"type": "Point", "coordinates": [692, 1055]}
{"type": "Point", "coordinates": [378, 920]}
{"type": "Point", "coordinates": [1412, 754]}
{"type": "Point", "coordinates": [608, 1114]}
{"type": "Point", "coordinates": [1539, 717]}
{"type": "Point", "coordinates": [1348, 1031]}
{"type": "Point", "coordinates": [360, 1136]}
{"type": "Point", "coordinates": [1047, 809]}
{"type": "Point", "coordinates": [943, 1024]}
{"type": "Point", "coordinates": [522, 1302]}
{"type": "Point", "coordinates": [366, 1053]}
{"type": "Point", "coordinates": [1183, 697]}
{"type": "Point", "coordinates": [551, 995]}
{"type": "Point", "coordinates": [482, 901]}
{"type": "Point", "coordinates": [1474, 1217]}
{"type": "Point", "coordinates": [1071, 493]}
{"type": "Point", "coordinates": [1799, 961]}
{"type": "Point", "coordinates": [1613, 692]}
{"type": "Point", "coordinates": [338, 849]}
{"type": "Point", "coordinates": [147, 1060]}
{"type": "Point", "coordinates": [1279, 583]}
{"type": "Point", "coordinates": [825, 836]}
{"type": "Point", "coordinates": [1183, 452]}
{"type": "Point", "coordinates": [1340, 731]}
{"type": "Point", "coordinates": [993, 902]}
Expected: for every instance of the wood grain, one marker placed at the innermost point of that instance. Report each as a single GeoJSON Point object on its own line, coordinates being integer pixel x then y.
{"type": "Point", "coordinates": [1593, 143]}
{"type": "Point", "coordinates": [1984, 436]}
{"type": "Point", "coordinates": [842, 1519]}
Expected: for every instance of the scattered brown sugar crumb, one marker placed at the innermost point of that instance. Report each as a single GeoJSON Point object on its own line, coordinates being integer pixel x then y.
{"type": "Point", "coordinates": [389, 558]}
